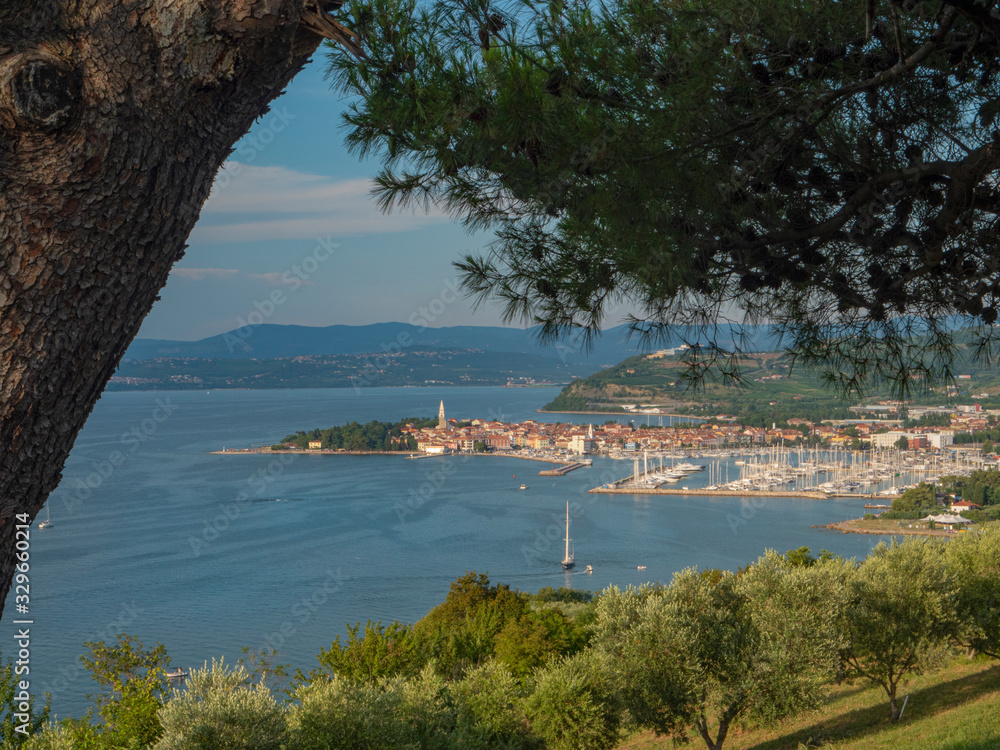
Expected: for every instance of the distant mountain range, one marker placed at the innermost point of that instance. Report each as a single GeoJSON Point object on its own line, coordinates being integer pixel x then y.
{"type": "Point", "coordinates": [283, 341]}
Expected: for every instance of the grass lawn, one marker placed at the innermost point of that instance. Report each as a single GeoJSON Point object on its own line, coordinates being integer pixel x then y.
{"type": "Point", "coordinates": [957, 708]}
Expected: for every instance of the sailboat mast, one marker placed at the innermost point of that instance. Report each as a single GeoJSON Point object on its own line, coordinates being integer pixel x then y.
{"type": "Point", "coordinates": [567, 530]}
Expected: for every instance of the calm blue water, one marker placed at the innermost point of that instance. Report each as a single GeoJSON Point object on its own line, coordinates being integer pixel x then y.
{"type": "Point", "coordinates": [208, 553]}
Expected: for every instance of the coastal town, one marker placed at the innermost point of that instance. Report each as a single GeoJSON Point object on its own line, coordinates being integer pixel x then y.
{"type": "Point", "coordinates": [450, 435]}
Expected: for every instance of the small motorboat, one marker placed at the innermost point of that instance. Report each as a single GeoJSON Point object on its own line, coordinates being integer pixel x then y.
{"type": "Point", "coordinates": [640, 567]}
{"type": "Point", "coordinates": [589, 569]}
{"type": "Point", "coordinates": [524, 486]}
{"type": "Point", "coordinates": [176, 674]}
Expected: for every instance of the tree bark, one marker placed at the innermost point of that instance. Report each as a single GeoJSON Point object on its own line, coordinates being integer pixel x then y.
{"type": "Point", "coordinates": [115, 116]}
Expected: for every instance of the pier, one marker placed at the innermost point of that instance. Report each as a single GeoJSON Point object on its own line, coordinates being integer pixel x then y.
{"type": "Point", "coordinates": [562, 470]}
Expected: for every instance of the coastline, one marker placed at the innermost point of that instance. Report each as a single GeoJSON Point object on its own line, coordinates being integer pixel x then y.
{"type": "Point", "coordinates": [852, 526]}
{"type": "Point", "coordinates": [405, 454]}
{"type": "Point", "coordinates": [810, 495]}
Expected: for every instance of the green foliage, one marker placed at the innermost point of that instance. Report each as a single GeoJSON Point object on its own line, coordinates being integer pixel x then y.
{"type": "Point", "coordinates": [702, 655]}
{"type": "Point", "coordinates": [489, 710]}
{"type": "Point", "coordinates": [562, 594]}
{"type": "Point", "coordinates": [588, 138]}
{"type": "Point", "coordinates": [930, 419]}
{"type": "Point", "coordinates": [973, 566]}
{"type": "Point", "coordinates": [980, 487]}
{"type": "Point", "coordinates": [711, 651]}
{"type": "Point", "coordinates": [220, 708]}
{"type": "Point", "coordinates": [535, 638]}
{"type": "Point", "coordinates": [800, 556]}
{"type": "Point", "coordinates": [393, 713]}
{"type": "Point", "coordinates": [262, 666]}
{"type": "Point", "coordinates": [915, 502]}
{"type": "Point", "coordinates": [461, 631]}
{"type": "Point", "coordinates": [132, 691]}
{"type": "Point", "coordinates": [898, 614]}
{"type": "Point", "coordinates": [372, 436]}
{"type": "Point", "coordinates": [52, 737]}
{"type": "Point", "coordinates": [11, 699]}
{"type": "Point", "coordinates": [338, 713]}
{"type": "Point", "coordinates": [573, 706]}
{"type": "Point", "coordinates": [381, 651]}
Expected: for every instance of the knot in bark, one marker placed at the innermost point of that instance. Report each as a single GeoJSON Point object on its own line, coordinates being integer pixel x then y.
{"type": "Point", "coordinates": [40, 91]}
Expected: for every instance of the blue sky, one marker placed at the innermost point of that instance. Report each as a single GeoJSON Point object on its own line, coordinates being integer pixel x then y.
{"type": "Point", "coordinates": [289, 193]}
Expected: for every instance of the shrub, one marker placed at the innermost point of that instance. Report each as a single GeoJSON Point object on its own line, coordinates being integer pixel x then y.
{"type": "Point", "coordinates": [574, 707]}
{"type": "Point", "coordinates": [221, 710]}
{"type": "Point", "coordinates": [489, 703]}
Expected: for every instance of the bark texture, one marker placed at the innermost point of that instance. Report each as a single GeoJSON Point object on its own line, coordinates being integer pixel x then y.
{"type": "Point", "coordinates": [115, 116]}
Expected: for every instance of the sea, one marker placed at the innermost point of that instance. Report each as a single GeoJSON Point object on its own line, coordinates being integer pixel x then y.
{"type": "Point", "coordinates": [156, 536]}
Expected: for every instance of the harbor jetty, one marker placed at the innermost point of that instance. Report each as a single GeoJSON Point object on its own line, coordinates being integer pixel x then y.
{"type": "Point", "coordinates": [564, 470]}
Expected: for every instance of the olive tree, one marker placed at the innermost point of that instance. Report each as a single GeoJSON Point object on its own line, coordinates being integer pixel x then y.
{"type": "Point", "coordinates": [899, 615]}
{"type": "Point", "coordinates": [715, 649]}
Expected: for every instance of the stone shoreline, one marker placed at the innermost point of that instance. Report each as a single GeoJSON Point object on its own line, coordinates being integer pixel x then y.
{"type": "Point", "coordinates": [851, 527]}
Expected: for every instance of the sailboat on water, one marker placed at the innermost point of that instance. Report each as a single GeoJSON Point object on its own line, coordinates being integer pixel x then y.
{"type": "Point", "coordinates": [570, 559]}
{"type": "Point", "coordinates": [46, 523]}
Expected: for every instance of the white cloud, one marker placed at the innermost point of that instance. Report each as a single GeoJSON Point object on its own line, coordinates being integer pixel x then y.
{"type": "Point", "coordinates": [278, 279]}
{"type": "Point", "coordinates": [250, 203]}
{"type": "Point", "coordinates": [200, 274]}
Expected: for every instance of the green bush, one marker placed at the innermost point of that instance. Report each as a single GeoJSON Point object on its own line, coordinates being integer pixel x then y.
{"type": "Point", "coordinates": [574, 705]}
{"type": "Point", "coordinates": [489, 703]}
{"type": "Point", "coordinates": [221, 710]}
{"type": "Point", "coordinates": [52, 737]}
{"type": "Point", "coordinates": [337, 714]}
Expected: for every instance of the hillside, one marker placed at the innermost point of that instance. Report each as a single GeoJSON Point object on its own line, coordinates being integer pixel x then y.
{"type": "Point", "coordinates": [423, 366]}
{"type": "Point", "coordinates": [285, 341]}
{"type": "Point", "coordinates": [771, 390]}
{"type": "Point", "coordinates": [269, 341]}
{"type": "Point", "coordinates": [953, 709]}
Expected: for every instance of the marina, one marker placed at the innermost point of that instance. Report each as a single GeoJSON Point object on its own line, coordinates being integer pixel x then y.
{"type": "Point", "coordinates": [793, 472]}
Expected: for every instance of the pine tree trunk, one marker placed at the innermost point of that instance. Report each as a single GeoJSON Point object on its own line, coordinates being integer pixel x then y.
{"type": "Point", "coordinates": [115, 115]}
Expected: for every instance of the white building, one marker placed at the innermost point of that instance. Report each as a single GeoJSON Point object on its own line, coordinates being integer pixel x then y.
{"type": "Point", "coordinates": [885, 439]}
{"type": "Point", "coordinates": [940, 439]}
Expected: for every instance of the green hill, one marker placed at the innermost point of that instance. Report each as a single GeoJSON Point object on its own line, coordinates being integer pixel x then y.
{"type": "Point", "coordinates": [953, 709]}
{"type": "Point", "coordinates": [771, 389]}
